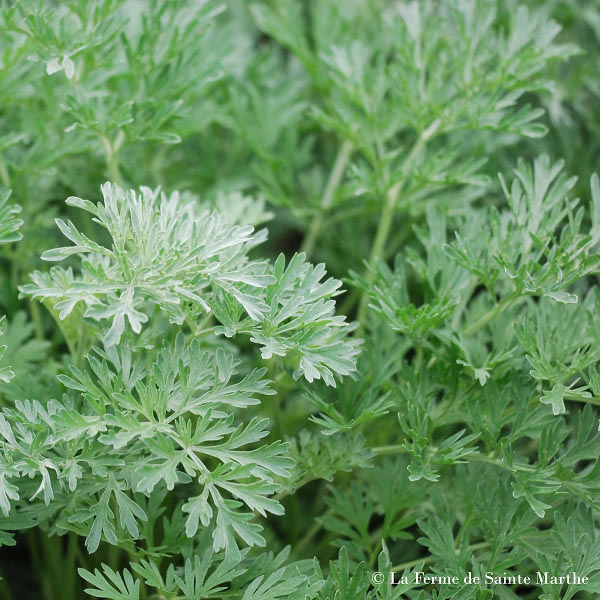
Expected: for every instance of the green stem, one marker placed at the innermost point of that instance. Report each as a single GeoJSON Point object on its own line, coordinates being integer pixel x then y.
{"type": "Point", "coordinates": [71, 344]}
{"type": "Point", "coordinates": [492, 460]}
{"type": "Point", "coordinates": [36, 316]}
{"type": "Point", "coordinates": [491, 314]}
{"type": "Point", "coordinates": [68, 577]}
{"type": "Point", "coordinates": [35, 543]}
{"type": "Point", "coordinates": [111, 151]}
{"type": "Point", "coordinates": [5, 593]}
{"type": "Point", "coordinates": [350, 300]}
{"type": "Point", "coordinates": [574, 398]}
{"type": "Point", "coordinates": [387, 214]}
{"type": "Point", "coordinates": [427, 559]}
{"type": "Point", "coordinates": [113, 556]}
{"type": "Point", "coordinates": [203, 327]}
{"type": "Point", "coordinates": [4, 176]}
{"type": "Point", "coordinates": [310, 534]}
{"type": "Point", "coordinates": [333, 182]}
{"type": "Point", "coordinates": [392, 449]}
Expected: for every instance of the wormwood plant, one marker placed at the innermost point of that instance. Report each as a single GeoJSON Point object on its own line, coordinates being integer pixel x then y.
{"type": "Point", "coordinates": [192, 408]}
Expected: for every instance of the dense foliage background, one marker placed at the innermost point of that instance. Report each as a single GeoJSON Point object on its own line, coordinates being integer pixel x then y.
{"type": "Point", "coordinates": [186, 415]}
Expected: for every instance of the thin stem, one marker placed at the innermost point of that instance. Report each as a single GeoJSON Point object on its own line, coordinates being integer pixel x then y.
{"type": "Point", "coordinates": [71, 559]}
{"type": "Point", "coordinates": [110, 153]}
{"type": "Point", "coordinates": [36, 316]}
{"type": "Point", "coordinates": [387, 214]}
{"type": "Point", "coordinates": [310, 534]}
{"type": "Point", "coordinates": [5, 593]}
{"type": "Point", "coordinates": [333, 182]}
{"type": "Point", "coordinates": [427, 559]}
{"type": "Point", "coordinates": [492, 460]}
{"type": "Point", "coordinates": [72, 345]}
{"type": "Point", "coordinates": [4, 176]}
{"type": "Point", "coordinates": [81, 344]}
{"type": "Point", "coordinates": [392, 449]}
{"type": "Point", "coordinates": [575, 398]}
{"type": "Point", "coordinates": [203, 327]}
{"type": "Point", "coordinates": [349, 301]}
{"type": "Point", "coordinates": [491, 314]}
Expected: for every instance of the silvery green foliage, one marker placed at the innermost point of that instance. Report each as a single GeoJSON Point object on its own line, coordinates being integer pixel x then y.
{"type": "Point", "coordinates": [6, 373]}
{"type": "Point", "coordinates": [166, 252]}
{"type": "Point", "coordinates": [264, 578]}
{"type": "Point", "coordinates": [444, 78]}
{"type": "Point", "coordinates": [514, 253]}
{"type": "Point", "coordinates": [125, 429]}
{"type": "Point", "coordinates": [9, 232]}
{"type": "Point", "coordinates": [161, 251]}
{"type": "Point", "coordinates": [9, 222]}
{"type": "Point", "coordinates": [520, 257]}
{"type": "Point", "coordinates": [177, 384]}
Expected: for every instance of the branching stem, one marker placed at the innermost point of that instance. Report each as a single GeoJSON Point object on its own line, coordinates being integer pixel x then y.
{"type": "Point", "coordinates": [496, 311]}
{"type": "Point", "coordinates": [111, 151]}
{"type": "Point", "coordinates": [427, 559]}
{"type": "Point", "coordinates": [333, 183]}
{"type": "Point", "coordinates": [4, 175]}
{"type": "Point", "coordinates": [386, 217]}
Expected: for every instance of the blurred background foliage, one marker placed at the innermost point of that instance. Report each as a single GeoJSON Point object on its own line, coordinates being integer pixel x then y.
{"type": "Point", "coordinates": [214, 97]}
{"type": "Point", "coordinates": [322, 109]}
